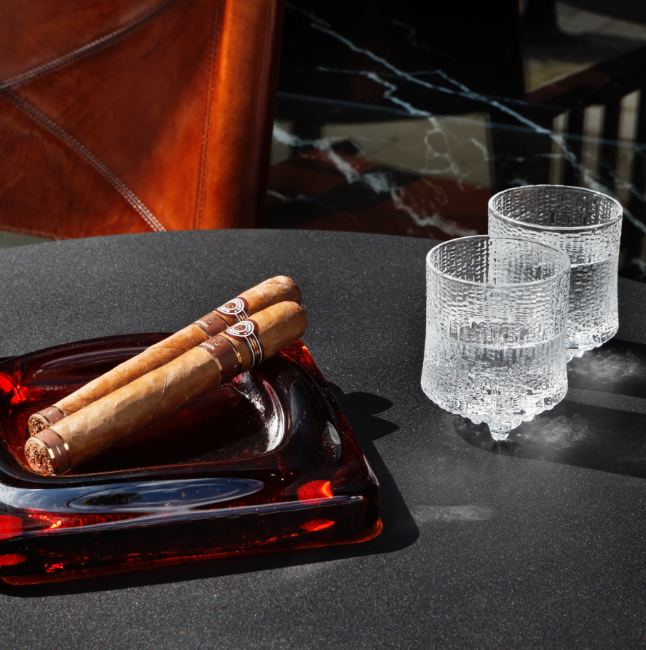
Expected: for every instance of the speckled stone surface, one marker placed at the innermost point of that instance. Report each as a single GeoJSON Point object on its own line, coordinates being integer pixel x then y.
{"type": "Point", "coordinates": [536, 544]}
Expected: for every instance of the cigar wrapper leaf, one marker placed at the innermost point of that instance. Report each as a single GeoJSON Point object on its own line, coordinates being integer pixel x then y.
{"type": "Point", "coordinates": [267, 293]}
{"type": "Point", "coordinates": [104, 423]}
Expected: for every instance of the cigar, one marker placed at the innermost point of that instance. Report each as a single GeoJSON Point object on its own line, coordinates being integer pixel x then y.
{"type": "Point", "coordinates": [150, 398]}
{"type": "Point", "coordinates": [267, 293]}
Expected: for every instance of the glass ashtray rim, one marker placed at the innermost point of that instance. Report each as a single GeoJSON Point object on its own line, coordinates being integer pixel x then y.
{"type": "Point", "coordinates": [556, 229]}
{"type": "Point", "coordinates": [565, 259]}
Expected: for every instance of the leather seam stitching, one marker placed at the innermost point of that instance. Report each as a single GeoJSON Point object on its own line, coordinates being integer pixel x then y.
{"type": "Point", "coordinates": [32, 233]}
{"type": "Point", "coordinates": [85, 153]}
{"type": "Point", "coordinates": [90, 48]}
{"type": "Point", "coordinates": [207, 119]}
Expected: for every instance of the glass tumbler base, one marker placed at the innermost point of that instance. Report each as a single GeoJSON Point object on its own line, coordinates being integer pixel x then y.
{"type": "Point", "coordinates": [499, 434]}
{"type": "Point", "coordinates": [586, 342]}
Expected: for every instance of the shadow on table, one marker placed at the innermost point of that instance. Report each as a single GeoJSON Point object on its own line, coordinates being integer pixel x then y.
{"type": "Point", "coordinates": [601, 424]}
{"type": "Point", "coordinates": [399, 529]}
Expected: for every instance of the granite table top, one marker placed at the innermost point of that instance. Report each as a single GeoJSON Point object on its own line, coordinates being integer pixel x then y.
{"type": "Point", "coordinates": [536, 543]}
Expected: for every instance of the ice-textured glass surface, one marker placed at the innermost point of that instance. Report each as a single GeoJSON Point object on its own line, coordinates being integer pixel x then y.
{"type": "Point", "coordinates": [496, 316]}
{"type": "Point", "coordinates": [587, 226]}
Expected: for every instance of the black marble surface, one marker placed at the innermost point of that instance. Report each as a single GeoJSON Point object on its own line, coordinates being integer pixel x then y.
{"type": "Point", "coordinates": [396, 117]}
{"type": "Point", "coordinates": [537, 543]}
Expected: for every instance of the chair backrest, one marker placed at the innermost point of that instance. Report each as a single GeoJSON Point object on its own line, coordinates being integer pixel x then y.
{"type": "Point", "coordinates": [121, 116]}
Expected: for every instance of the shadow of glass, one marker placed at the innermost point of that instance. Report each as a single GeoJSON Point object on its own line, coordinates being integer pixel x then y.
{"type": "Point", "coordinates": [618, 367]}
{"type": "Point", "coordinates": [399, 528]}
{"type": "Point", "coordinates": [600, 425]}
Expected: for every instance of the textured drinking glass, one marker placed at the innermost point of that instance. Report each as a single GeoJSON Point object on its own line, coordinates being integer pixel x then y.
{"type": "Point", "coordinates": [587, 226]}
{"type": "Point", "coordinates": [496, 316]}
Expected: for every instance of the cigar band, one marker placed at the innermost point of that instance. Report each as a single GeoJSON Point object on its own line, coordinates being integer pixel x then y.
{"type": "Point", "coordinates": [212, 324]}
{"type": "Point", "coordinates": [236, 308]}
{"type": "Point", "coordinates": [225, 355]}
{"type": "Point", "coordinates": [57, 449]}
{"type": "Point", "coordinates": [247, 331]}
{"type": "Point", "coordinates": [52, 414]}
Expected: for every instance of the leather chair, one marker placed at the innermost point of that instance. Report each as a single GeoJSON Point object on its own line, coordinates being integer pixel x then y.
{"type": "Point", "coordinates": [124, 116]}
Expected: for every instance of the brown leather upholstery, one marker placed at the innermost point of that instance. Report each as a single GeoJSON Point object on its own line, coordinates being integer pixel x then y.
{"type": "Point", "coordinates": [120, 116]}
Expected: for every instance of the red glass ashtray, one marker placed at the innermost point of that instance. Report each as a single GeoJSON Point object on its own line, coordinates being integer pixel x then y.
{"type": "Point", "coordinates": [265, 461]}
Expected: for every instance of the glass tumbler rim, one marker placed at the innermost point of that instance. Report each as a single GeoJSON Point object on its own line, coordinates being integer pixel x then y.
{"type": "Point", "coordinates": [532, 283]}
{"type": "Point", "coordinates": [535, 226]}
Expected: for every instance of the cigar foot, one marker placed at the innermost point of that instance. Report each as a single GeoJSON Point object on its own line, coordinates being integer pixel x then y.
{"type": "Point", "coordinates": [47, 453]}
{"type": "Point", "coordinates": [44, 419]}
{"type": "Point", "coordinates": [38, 457]}
{"type": "Point", "coordinates": [37, 423]}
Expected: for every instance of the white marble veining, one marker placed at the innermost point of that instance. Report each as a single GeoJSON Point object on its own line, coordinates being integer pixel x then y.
{"type": "Point", "coordinates": [454, 148]}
